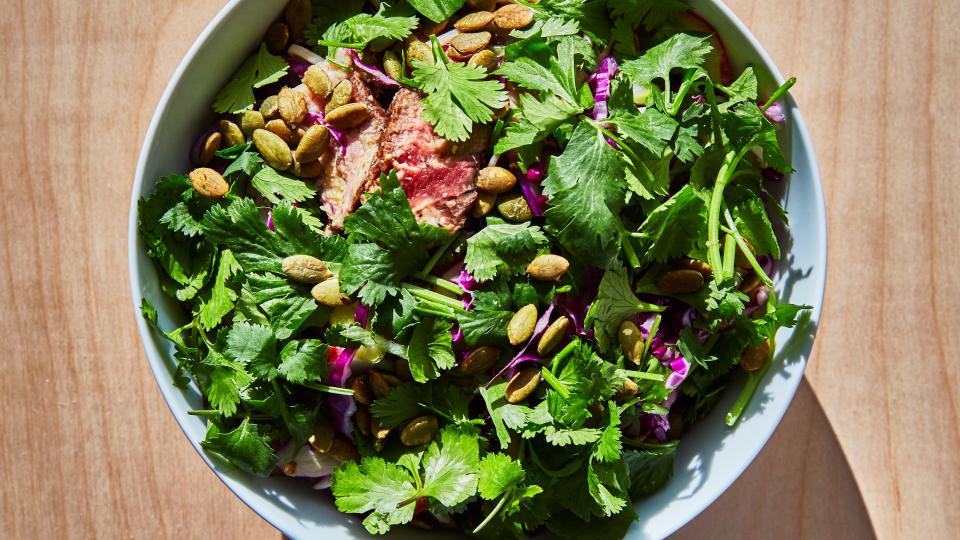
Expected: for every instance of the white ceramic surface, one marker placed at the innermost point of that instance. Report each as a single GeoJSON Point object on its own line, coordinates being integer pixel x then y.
{"type": "Point", "coordinates": [710, 456]}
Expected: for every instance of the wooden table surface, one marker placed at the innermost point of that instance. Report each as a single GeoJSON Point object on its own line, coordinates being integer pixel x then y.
{"type": "Point", "coordinates": [871, 444]}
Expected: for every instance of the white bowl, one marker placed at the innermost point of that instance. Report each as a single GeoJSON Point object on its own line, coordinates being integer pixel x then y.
{"type": "Point", "coordinates": [710, 457]}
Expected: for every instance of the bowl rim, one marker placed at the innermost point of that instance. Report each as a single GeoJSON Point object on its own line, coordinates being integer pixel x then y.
{"type": "Point", "coordinates": [156, 360]}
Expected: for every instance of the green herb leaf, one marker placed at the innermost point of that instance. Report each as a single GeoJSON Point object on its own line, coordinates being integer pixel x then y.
{"type": "Point", "coordinates": [437, 10]}
{"type": "Point", "coordinates": [450, 467]}
{"type": "Point", "coordinates": [679, 51]}
{"type": "Point", "coordinates": [615, 303]}
{"type": "Point", "coordinates": [304, 361]}
{"type": "Point", "coordinates": [242, 447]}
{"type": "Point", "coordinates": [430, 350]}
{"type": "Point", "coordinates": [259, 70]}
{"type": "Point", "coordinates": [498, 474]}
{"type": "Point", "coordinates": [502, 249]}
{"type": "Point", "coordinates": [271, 183]}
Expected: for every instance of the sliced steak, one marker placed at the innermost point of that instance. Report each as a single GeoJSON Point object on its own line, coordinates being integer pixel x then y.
{"type": "Point", "coordinates": [356, 169]}
{"type": "Point", "coordinates": [441, 184]}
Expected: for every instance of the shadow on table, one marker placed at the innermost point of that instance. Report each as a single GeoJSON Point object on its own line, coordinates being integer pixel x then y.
{"type": "Point", "coordinates": [800, 486]}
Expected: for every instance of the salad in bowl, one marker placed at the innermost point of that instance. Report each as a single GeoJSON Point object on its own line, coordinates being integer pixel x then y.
{"type": "Point", "coordinates": [475, 265]}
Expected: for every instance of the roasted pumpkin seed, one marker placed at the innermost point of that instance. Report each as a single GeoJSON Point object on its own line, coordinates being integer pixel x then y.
{"type": "Point", "coordinates": [418, 50]}
{"type": "Point", "coordinates": [313, 144]}
{"type": "Point", "coordinates": [362, 418]}
{"type": "Point", "coordinates": [553, 335]}
{"type": "Point", "coordinates": [348, 116]}
{"type": "Point", "coordinates": [232, 136]}
{"type": "Point", "coordinates": [292, 105]}
{"type": "Point", "coordinates": [680, 281]}
{"type": "Point", "coordinates": [298, 15]}
{"type": "Point", "coordinates": [277, 37]}
{"type": "Point", "coordinates": [378, 384]}
{"type": "Point", "coordinates": [522, 324]}
{"type": "Point", "coordinates": [513, 207]}
{"type": "Point", "coordinates": [343, 450]}
{"type": "Point", "coordinates": [402, 368]}
{"type": "Point", "coordinates": [470, 42]}
{"type": "Point", "coordinates": [420, 430]}
{"type": "Point", "coordinates": [695, 264]}
{"type": "Point", "coordinates": [485, 59]}
{"type": "Point", "coordinates": [280, 128]}
{"type": "Point", "coordinates": [392, 66]}
{"type": "Point", "coordinates": [305, 269]}
{"type": "Point", "coordinates": [522, 384]}
{"type": "Point", "coordinates": [327, 293]}
{"type": "Point", "coordinates": [377, 430]}
{"type": "Point", "coordinates": [269, 108]}
{"type": "Point", "coordinates": [251, 121]}
{"type": "Point", "coordinates": [751, 282]}
{"type": "Point", "coordinates": [484, 204]}
{"type": "Point", "coordinates": [754, 357]}
{"type": "Point", "coordinates": [631, 341]}
{"type": "Point", "coordinates": [496, 180]}
{"type": "Point", "coordinates": [317, 80]}
{"type": "Point", "coordinates": [208, 182]}
{"type": "Point", "coordinates": [273, 149]}
{"type": "Point", "coordinates": [361, 390]}
{"type": "Point", "coordinates": [741, 260]}
{"type": "Point", "coordinates": [548, 267]}
{"type": "Point", "coordinates": [474, 22]}
{"type": "Point", "coordinates": [323, 436]}
{"type": "Point", "coordinates": [480, 360]}
{"type": "Point", "coordinates": [210, 147]}
{"type": "Point", "coordinates": [627, 390]}
{"type": "Point", "coordinates": [342, 94]}
{"type": "Point", "coordinates": [311, 169]}
{"type": "Point", "coordinates": [513, 17]}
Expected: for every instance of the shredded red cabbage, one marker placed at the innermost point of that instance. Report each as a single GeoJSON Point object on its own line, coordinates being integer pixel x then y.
{"type": "Point", "coordinates": [372, 71]}
{"type": "Point", "coordinates": [775, 113]}
{"type": "Point", "coordinates": [270, 220]}
{"type": "Point", "coordinates": [314, 118]}
{"type": "Point", "coordinates": [606, 70]}
{"type": "Point", "coordinates": [530, 189]}
{"type": "Point", "coordinates": [297, 66]}
{"type": "Point", "coordinates": [542, 324]}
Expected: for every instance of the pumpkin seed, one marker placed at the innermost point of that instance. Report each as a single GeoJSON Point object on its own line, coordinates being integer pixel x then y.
{"type": "Point", "coordinates": [361, 390]}
{"type": "Point", "coordinates": [280, 128]}
{"type": "Point", "coordinates": [392, 380]}
{"type": "Point", "coordinates": [471, 42]}
{"type": "Point", "coordinates": [377, 430]}
{"type": "Point", "coordinates": [753, 358]}
{"type": "Point", "coordinates": [348, 116]}
{"type": "Point", "coordinates": [548, 267]}
{"type": "Point", "coordinates": [343, 314]}
{"type": "Point", "coordinates": [485, 59]}
{"type": "Point", "coordinates": [513, 207]}
{"type": "Point", "coordinates": [322, 438]}
{"type": "Point", "coordinates": [298, 15]}
{"type": "Point", "coordinates": [496, 180]}
{"type": "Point", "coordinates": [208, 182]}
{"type": "Point", "coordinates": [751, 282]}
{"type": "Point", "coordinates": [251, 121]}
{"type": "Point", "coordinates": [273, 149]}
{"type": "Point", "coordinates": [277, 37]}
{"type": "Point", "coordinates": [342, 93]}
{"type": "Point", "coordinates": [513, 17]}
{"type": "Point", "coordinates": [232, 136]}
{"type": "Point", "coordinates": [631, 341]}
{"type": "Point", "coordinates": [318, 81]}
{"type": "Point", "coordinates": [392, 66]}
{"type": "Point", "coordinates": [740, 260]}
{"type": "Point", "coordinates": [695, 264]}
{"type": "Point", "coordinates": [305, 269]}
{"type": "Point", "coordinates": [269, 108]}
{"type": "Point", "coordinates": [627, 390]}
{"type": "Point", "coordinates": [313, 144]}
{"type": "Point", "coordinates": [290, 468]}
{"type": "Point", "coordinates": [378, 384]}
{"type": "Point", "coordinates": [482, 5]}
{"type": "Point", "coordinates": [343, 450]}
{"type": "Point", "coordinates": [480, 360]}
{"type": "Point", "coordinates": [210, 146]}
{"type": "Point", "coordinates": [311, 169]}
{"type": "Point", "coordinates": [473, 22]}
{"type": "Point", "coordinates": [402, 367]}
{"type": "Point", "coordinates": [418, 50]}
{"type": "Point", "coordinates": [484, 204]}
{"type": "Point", "coordinates": [522, 384]}
{"type": "Point", "coordinates": [420, 430]}
{"type": "Point", "coordinates": [552, 335]}
{"type": "Point", "coordinates": [292, 105]}
{"type": "Point", "coordinates": [680, 281]}
{"type": "Point", "coordinates": [522, 324]}
{"type": "Point", "coordinates": [327, 293]}
{"type": "Point", "coordinates": [362, 417]}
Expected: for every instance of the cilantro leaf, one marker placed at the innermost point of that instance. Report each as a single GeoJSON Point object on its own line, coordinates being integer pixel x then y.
{"type": "Point", "coordinates": [398, 406]}
{"type": "Point", "coordinates": [227, 379]}
{"type": "Point", "coordinates": [615, 303]}
{"type": "Point", "coordinates": [561, 436]}
{"type": "Point", "coordinates": [255, 347]}
{"type": "Point", "coordinates": [240, 228]}
{"type": "Point", "coordinates": [609, 447]}
{"type": "Point", "coordinates": [675, 227]}
{"type": "Point", "coordinates": [437, 10]}
{"type": "Point", "coordinates": [608, 484]}
{"type": "Point", "coordinates": [247, 163]}
{"type": "Point", "coordinates": [304, 361]}
{"type": "Point", "coordinates": [259, 70]}
{"type": "Point", "coordinates": [498, 474]}
{"type": "Point", "coordinates": [651, 129]}
{"type": "Point", "coordinates": [450, 467]}
{"type": "Point", "coordinates": [287, 305]}
{"type": "Point", "coordinates": [679, 51]}
{"type": "Point", "coordinates": [271, 183]}
{"type": "Point", "coordinates": [375, 485]}
{"type": "Point", "coordinates": [242, 447]}
{"type": "Point", "coordinates": [629, 15]}
{"type": "Point", "coordinates": [219, 300]}
{"type": "Point", "coordinates": [503, 415]}
{"type": "Point", "coordinates": [358, 31]}
{"type": "Point", "coordinates": [487, 321]}
{"type": "Point", "coordinates": [750, 217]}
{"type": "Point", "coordinates": [742, 89]}
{"type": "Point", "coordinates": [502, 249]}
{"type": "Point", "coordinates": [430, 350]}
{"type": "Point", "coordinates": [650, 468]}
{"type": "Point", "coordinates": [458, 95]}
{"type": "Point", "coordinates": [586, 193]}
{"type": "Point", "coordinates": [353, 335]}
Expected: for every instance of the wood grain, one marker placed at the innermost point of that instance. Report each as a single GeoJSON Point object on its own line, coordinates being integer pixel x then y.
{"type": "Point", "coordinates": [869, 445]}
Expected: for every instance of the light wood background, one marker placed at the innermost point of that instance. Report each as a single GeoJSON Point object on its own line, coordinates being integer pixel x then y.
{"type": "Point", "coordinates": [871, 444]}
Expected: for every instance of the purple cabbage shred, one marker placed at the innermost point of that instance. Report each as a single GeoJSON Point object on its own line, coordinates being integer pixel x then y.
{"type": "Point", "coordinates": [372, 71]}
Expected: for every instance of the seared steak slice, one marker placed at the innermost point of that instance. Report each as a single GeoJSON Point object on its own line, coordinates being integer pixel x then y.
{"type": "Point", "coordinates": [350, 172]}
{"type": "Point", "coordinates": [440, 184]}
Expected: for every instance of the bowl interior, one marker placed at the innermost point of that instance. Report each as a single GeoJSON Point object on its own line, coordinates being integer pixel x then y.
{"type": "Point", "coordinates": [710, 457]}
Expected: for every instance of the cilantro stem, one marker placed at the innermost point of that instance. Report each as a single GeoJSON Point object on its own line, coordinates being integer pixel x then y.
{"type": "Point", "coordinates": [714, 113]}
{"type": "Point", "coordinates": [742, 242]}
{"type": "Point", "coordinates": [634, 158]}
{"type": "Point", "coordinates": [555, 383]}
{"type": "Point", "coordinates": [646, 344]}
{"type": "Point", "coordinates": [754, 377]}
{"type": "Point", "coordinates": [561, 356]}
{"type": "Point", "coordinates": [328, 389]}
{"type": "Point", "coordinates": [435, 258]}
{"type": "Point", "coordinates": [340, 44]}
{"type": "Point", "coordinates": [643, 375]}
{"type": "Point", "coordinates": [685, 86]}
{"type": "Point", "coordinates": [629, 250]}
{"type": "Point", "coordinates": [428, 308]}
{"type": "Point", "coordinates": [779, 92]}
{"type": "Point", "coordinates": [494, 512]}
{"type": "Point", "coordinates": [444, 284]}
{"type": "Point", "coordinates": [435, 297]}
{"type": "Point", "coordinates": [626, 406]}
{"type": "Point", "coordinates": [562, 472]}
{"type": "Point", "coordinates": [727, 170]}
{"type": "Point", "coordinates": [729, 256]}
{"type": "Point", "coordinates": [664, 447]}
